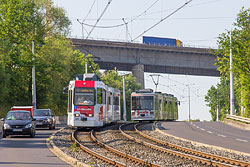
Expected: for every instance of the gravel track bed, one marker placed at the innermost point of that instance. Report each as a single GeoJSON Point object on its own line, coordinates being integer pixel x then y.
{"type": "Point", "coordinates": [62, 139]}
{"type": "Point", "coordinates": [112, 137]}
{"type": "Point", "coordinates": [115, 139]}
{"type": "Point", "coordinates": [147, 129]}
{"type": "Point", "coordinates": [84, 139]}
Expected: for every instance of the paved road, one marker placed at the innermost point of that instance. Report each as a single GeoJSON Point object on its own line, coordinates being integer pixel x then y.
{"type": "Point", "coordinates": [212, 133]}
{"type": "Point", "coordinates": [23, 151]}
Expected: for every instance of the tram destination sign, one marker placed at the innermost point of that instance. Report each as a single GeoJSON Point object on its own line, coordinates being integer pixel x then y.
{"type": "Point", "coordinates": [84, 90]}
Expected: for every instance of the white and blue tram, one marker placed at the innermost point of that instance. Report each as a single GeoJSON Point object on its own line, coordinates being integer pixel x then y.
{"type": "Point", "coordinates": [91, 103]}
{"type": "Point", "coordinates": [147, 105]}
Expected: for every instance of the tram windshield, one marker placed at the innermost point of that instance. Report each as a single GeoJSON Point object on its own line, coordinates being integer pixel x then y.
{"type": "Point", "coordinates": [84, 97]}
{"type": "Point", "coordinates": [142, 102]}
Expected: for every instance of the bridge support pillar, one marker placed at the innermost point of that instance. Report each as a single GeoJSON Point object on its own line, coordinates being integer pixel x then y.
{"type": "Point", "coordinates": [138, 72]}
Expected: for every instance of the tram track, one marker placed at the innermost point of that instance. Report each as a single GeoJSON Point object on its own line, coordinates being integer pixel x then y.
{"type": "Point", "coordinates": [109, 146]}
{"type": "Point", "coordinates": [115, 139]}
{"type": "Point", "coordinates": [104, 152]}
{"type": "Point", "coordinates": [204, 158]}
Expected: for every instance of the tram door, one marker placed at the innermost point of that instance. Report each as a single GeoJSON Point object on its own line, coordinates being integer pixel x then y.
{"type": "Point", "coordinates": [70, 108]}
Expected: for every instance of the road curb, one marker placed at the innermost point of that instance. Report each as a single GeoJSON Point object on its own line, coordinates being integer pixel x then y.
{"type": "Point", "coordinates": [201, 144]}
{"type": "Point", "coordinates": [60, 154]}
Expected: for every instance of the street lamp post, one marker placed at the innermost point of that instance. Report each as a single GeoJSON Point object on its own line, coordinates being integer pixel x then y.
{"type": "Point", "coordinates": [189, 115]}
{"type": "Point", "coordinates": [231, 79]}
{"type": "Point", "coordinates": [124, 100]}
{"type": "Point", "coordinates": [33, 78]}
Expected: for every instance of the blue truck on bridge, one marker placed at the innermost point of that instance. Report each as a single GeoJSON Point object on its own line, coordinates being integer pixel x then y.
{"type": "Point", "coordinates": [161, 41]}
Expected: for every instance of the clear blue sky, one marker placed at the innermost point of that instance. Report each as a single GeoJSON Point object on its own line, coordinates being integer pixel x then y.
{"type": "Point", "coordinates": [198, 24]}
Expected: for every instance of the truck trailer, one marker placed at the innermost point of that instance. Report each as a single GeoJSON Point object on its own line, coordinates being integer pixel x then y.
{"type": "Point", "coordinates": [161, 41]}
{"type": "Point", "coordinates": [25, 108]}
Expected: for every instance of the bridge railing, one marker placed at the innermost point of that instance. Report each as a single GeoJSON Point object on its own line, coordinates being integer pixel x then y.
{"type": "Point", "coordinates": [238, 118]}
{"type": "Point", "coordinates": [139, 42]}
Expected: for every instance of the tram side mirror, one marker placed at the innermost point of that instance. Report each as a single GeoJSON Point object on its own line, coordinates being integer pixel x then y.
{"type": "Point", "coordinates": [65, 90]}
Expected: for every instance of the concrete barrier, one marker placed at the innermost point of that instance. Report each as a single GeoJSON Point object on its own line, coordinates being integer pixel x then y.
{"type": "Point", "coordinates": [62, 120]}
{"type": "Point", "coordinates": [237, 124]}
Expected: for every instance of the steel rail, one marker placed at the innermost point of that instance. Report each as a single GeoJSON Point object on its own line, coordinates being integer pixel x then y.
{"type": "Point", "coordinates": [194, 152]}
{"type": "Point", "coordinates": [124, 155]}
{"type": "Point", "coordinates": [175, 153]}
{"type": "Point", "coordinates": [97, 155]}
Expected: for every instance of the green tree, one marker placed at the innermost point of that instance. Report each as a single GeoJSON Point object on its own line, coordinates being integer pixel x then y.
{"type": "Point", "coordinates": [241, 58]}
{"type": "Point", "coordinates": [113, 79]}
{"type": "Point", "coordinates": [218, 98]}
{"type": "Point", "coordinates": [22, 21]}
{"type": "Point", "coordinates": [55, 20]}
{"type": "Point", "coordinates": [56, 64]}
{"type": "Point", "coordinates": [19, 25]}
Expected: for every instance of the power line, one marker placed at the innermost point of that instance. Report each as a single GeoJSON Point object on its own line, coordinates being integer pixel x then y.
{"type": "Point", "coordinates": [99, 18]}
{"type": "Point", "coordinates": [163, 19]}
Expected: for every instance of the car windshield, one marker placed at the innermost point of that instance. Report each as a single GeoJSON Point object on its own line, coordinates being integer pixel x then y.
{"type": "Point", "coordinates": [42, 112]}
{"type": "Point", "coordinates": [18, 116]}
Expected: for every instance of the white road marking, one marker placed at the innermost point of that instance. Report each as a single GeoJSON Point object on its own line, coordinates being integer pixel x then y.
{"type": "Point", "coordinates": [221, 135]}
{"type": "Point", "coordinates": [209, 132]}
{"type": "Point", "coordinates": [202, 129]}
{"type": "Point", "coordinates": [242, 140]}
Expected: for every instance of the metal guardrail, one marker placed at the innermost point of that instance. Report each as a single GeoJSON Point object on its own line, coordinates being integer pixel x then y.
{"type": "Point", "coordinates": [238, 118]}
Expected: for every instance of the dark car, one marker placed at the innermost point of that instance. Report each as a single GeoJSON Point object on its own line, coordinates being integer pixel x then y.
{"type": "Point", "coordinates": [45, 118]}
{"type": "Point", "coordinates": [19, 123]}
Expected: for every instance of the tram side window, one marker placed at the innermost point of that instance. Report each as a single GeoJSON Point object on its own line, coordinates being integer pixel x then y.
{"type": "Point", "coordinates": [116, 100]}
{"type": "Point", "coordinates": [109, 98]}
{"type": "Point", "coordinates": [104, 96]}
{"type": "Point", "coordinates": [70, 101]}
{"type": "Point", "coordinates": [99, 96]}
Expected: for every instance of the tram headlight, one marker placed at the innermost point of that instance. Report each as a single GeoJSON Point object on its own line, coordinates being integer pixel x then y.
{"type": "Point", "coordinates": [77, 115]}
{"type": "Point", "coordinates": [90, 115]}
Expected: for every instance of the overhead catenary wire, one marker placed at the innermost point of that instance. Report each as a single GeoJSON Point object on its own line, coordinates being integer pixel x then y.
{"type": "Point", "coordinates": [119, 25]}
{"type": "Point", "coordinates": [144, 12]}
{"type": "Point", "coordinates": [197, 4]}
{"type": "Point", "coordinates": [109, 2]}
{"type": "Point", "coordinates": [163, 19]}
{"type": "Point", "coordinates": [89, 11]}
{"type": "Point", "coordinates": [111, 26]}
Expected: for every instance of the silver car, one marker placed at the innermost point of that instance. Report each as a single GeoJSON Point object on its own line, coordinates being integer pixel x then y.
{"type": "Point", "coordinates": [44, 118]}
{"type": "Point", "coordinates": [1, 128]}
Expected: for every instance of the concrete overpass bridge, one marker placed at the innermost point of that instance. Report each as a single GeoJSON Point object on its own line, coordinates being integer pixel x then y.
{"type": "Point", "coordinates": [140, 58]}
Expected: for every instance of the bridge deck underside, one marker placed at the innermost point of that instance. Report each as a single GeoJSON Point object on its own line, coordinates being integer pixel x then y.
{"type": "Point", "coordinates": [160, 69]}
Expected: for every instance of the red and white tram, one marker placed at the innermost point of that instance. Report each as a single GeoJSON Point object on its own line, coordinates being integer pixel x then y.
{"type": "Point", "coordinates": [91, 103]}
